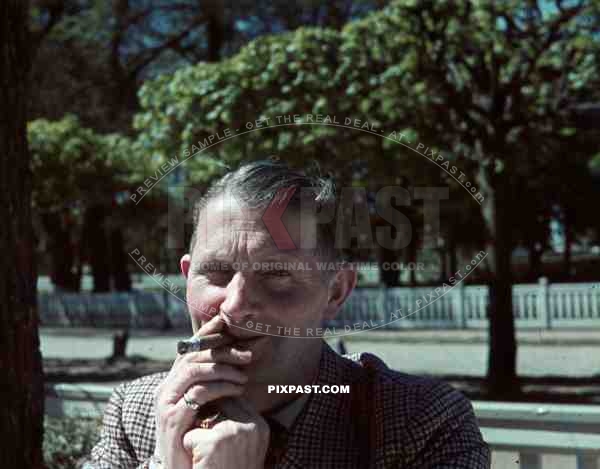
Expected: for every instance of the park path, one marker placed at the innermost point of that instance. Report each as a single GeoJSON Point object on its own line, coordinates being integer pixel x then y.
{"type": "Point", "coordinates": [407, 351]}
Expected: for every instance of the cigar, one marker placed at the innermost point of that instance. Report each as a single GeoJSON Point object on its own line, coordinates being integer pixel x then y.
{"type": "Point", "coordinates": [199, 343]}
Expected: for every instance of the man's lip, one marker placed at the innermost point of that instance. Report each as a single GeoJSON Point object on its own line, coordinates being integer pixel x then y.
{"type": "Point", "coordinates": [247, 342]}
{"type": "Point", "coordinates": [242, 338]}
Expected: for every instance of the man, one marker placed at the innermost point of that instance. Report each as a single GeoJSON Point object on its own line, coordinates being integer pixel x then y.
{"type": "Point", "coordinates": [258, 279]}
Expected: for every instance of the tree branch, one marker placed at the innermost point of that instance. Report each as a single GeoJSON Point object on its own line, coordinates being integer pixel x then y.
{"type": "Point", "coordinates": [154, 52]}
{"type": "Point", "coordinates": [55, 9]}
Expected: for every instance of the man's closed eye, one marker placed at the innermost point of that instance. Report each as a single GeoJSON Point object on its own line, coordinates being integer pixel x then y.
{"type": "Point", "coordinates": [275, 273]}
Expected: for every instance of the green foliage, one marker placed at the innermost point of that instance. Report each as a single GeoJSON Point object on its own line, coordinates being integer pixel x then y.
{"type": "Point", "coordinates": [86, 24]}
{"type": "Point", "coordinates": [72, 163]}
{"type": "Point", "coordinates": [595, 162]}
{"type": "Point", "coordinates": [455, 73]}
{"type": "Point", "coordinates": [486, 83]}
{"type": "Point", "coordinates": [271, 76]}
{"type": "Point", "coordinates": [91, 56]}
{"type": "Point", "coordinates": [68, 440]}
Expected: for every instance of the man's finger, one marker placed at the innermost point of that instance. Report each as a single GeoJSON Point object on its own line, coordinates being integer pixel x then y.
{"type": "Point", "coordinates": [199, 373]}
{"type": "Point", "coordinates": [226, 354]}
{"type": "Point", "coordinates": [214, 325]}
{"type": "Point", "coordinates": [184, 416]}
{"type": "Point", "coordinates": [203, 393]}
{"type": "Point", "coordinates": [198, 437]}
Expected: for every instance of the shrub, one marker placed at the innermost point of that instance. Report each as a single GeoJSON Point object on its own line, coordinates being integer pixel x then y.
{"type": "Point", "coordinates": [67, 440]}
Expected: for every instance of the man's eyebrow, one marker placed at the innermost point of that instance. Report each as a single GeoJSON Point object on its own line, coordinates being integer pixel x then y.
{"type": "Point", "coordinates": [282, 255]}
{"type": "Point", "coordinates": [263, 255]}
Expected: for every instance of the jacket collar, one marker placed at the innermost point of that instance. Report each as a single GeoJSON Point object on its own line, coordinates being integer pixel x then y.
{"type": "Point", "coordinates": [288, 414]}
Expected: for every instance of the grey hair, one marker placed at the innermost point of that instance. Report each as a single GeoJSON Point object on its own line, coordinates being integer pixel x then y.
{"type": "Point", "coordinates": [256, 184]}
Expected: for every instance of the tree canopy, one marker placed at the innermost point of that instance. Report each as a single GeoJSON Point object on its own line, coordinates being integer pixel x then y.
{"type": "Point", "coordinates": [72, 163]}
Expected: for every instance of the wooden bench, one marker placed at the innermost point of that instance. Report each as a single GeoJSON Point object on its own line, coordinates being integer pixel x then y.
{"type": "Point", "coordinates": [536, 429]}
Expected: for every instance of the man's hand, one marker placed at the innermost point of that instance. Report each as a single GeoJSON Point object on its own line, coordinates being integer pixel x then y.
{"type": "Point", "coordinates": [203, 376]}
{"type": "Point", "coordinates": [240, 440]}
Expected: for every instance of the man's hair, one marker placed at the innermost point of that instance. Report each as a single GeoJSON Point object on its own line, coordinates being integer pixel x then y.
{"type": "Point", "coordinates": [256, 184]}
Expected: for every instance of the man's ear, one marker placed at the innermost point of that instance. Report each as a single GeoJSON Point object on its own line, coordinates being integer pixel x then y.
{"type": "Point", "coordinates": [340, 287]}
{"type": "Point", "coordinates": [184, 263]}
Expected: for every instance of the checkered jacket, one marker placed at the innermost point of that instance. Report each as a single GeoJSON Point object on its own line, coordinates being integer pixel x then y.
{"type": "Point", "coordinates": [388, 420]}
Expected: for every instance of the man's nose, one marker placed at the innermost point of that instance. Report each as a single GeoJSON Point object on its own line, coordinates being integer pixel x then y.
{"type": "Point", "coordinates": [239, 305]}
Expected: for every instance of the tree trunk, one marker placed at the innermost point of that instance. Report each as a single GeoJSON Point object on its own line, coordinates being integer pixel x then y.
{"type": "Point", "coordinates": [535, 259]}
{"type": "Point", "coordinates": [119, 261]}
{"type": "Point", "coordinates": [62, 259]}
{"type": "Point", "coordinates": [389, 277]}
{"type": "Point", "coordinates": [126, 102]}
{"type": "Point", "coordinates": [443, 253]}
{"type": "Point", "coordinates": [502, 379]}
{"type": "Point", "coordinates": [568, 230]}
{"type": "Point", "coordinates": [410, 252]}
{"type": "Point", "coordinates": [96, 247]}
{"type": "Point", "coordinates": [120, 340]}
{"type": "Point", "coordinates": [22, 392]}
{"type": "Point", "coordinates": [452, 260]}
{"type": "Point", "coordinates": [215, 29]}
{"type": "Point", "coordinates": [335, 17]}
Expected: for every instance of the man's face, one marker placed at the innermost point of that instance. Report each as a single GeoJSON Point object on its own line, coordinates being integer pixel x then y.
{"type": "Point", "coordinates": [278, 304]}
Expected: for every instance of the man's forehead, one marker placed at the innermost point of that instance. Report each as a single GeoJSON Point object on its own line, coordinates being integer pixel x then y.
{"type": "Point", "coordinates": [217, 236]}
{"type": "Point", "coordinates": [229, 243]}
{"type": "Point", "coordinates": [224, 221]}
{"type": "Point", "coordinates": [232, 208]}
{"type": "Point", "coordinates": [259, 253]}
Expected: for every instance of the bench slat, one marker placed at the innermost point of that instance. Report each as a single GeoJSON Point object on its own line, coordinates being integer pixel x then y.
{"type": "Point", "coordinates": [512, 439]}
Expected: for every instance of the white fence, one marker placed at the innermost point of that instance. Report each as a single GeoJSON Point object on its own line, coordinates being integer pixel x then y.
{"type": "Point", "coordinates": [140, 309]}
{"type": "Point", "coordinates": [540, 305]}
{"type": "Point", "coordinates": [530, 429]}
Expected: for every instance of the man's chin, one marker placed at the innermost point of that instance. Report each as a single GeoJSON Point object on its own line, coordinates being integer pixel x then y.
{"type": "Point", "coordinates": [256, 393]}
{"type": "Point", "coordinates": [257, 374]}
{"type": "Point", "coordinates": [260, 377]}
